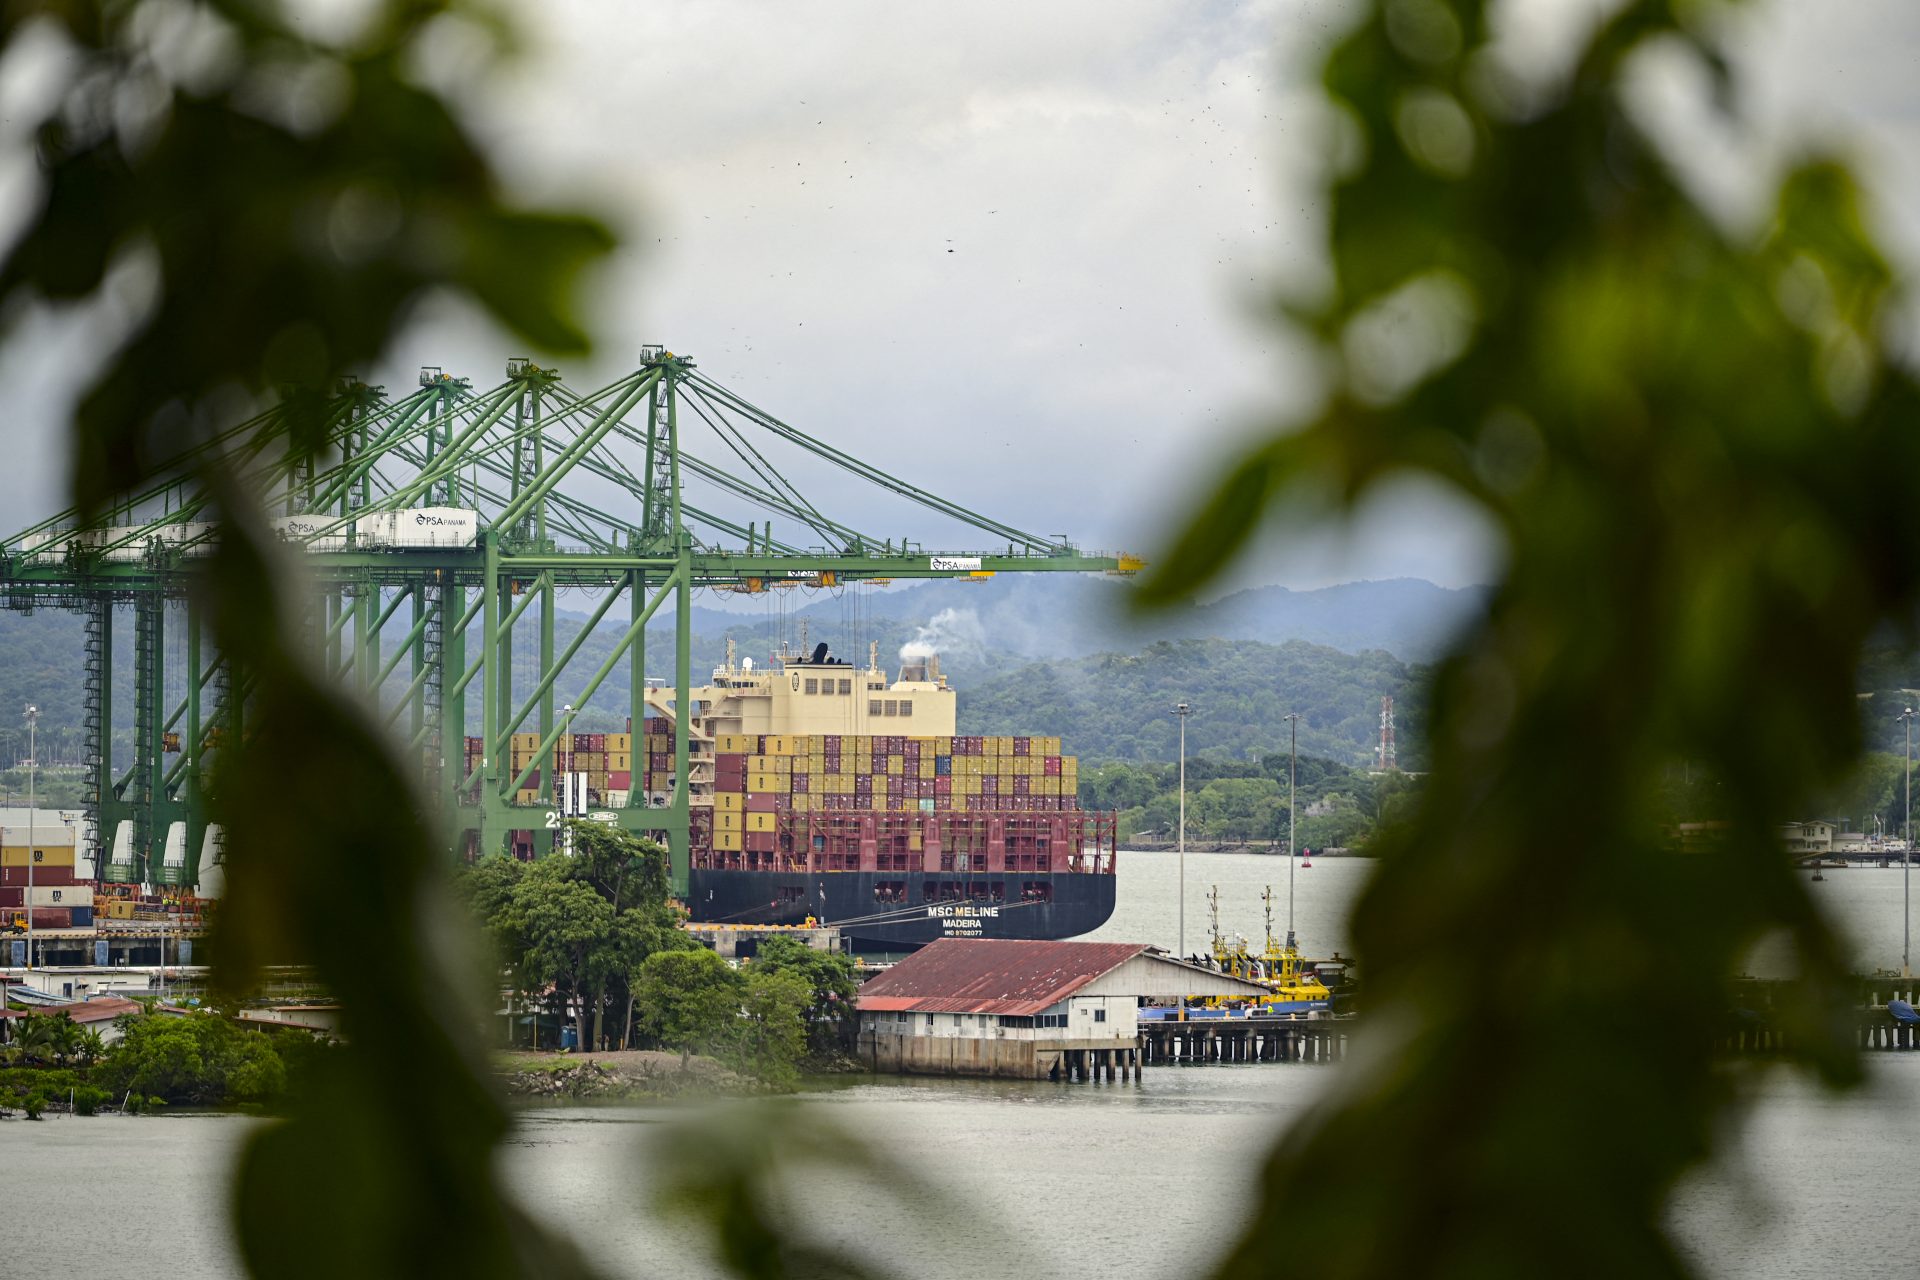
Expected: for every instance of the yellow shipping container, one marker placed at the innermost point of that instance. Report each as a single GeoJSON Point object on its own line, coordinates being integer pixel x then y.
{"type": "Point", "coordinates": [779, 744]}
{"type": "Point", "coordinates": [926, 766]}
{"type": "Point", "coordinates": [896, 765]}
{"type": "Point", "coordinates": [765, 782]}
{"type": "Point", "coordinates": [727, 820]}
{"type": "Point", "coordinates": [728, 840]}
{"type": "Point", "coordinates": [527, 797]}
{"type": "Point", "coordinates": [619, 742]}
{"type": "Point", "coordinates": [762, 821]}
{"type": "Point", "coordinates": [728, 802]}
{"type": "Point", "coordinates": [16, 856]}
{"type": "Point", "coordinates": [525, 741]}
{"type": "Point", "coordinates": [619, 759]}
{"type": "Point", "coordinates": [803, 744]}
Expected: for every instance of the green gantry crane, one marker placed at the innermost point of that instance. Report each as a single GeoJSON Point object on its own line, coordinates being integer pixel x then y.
{"type": "Point", "coordinates": [427, 514]}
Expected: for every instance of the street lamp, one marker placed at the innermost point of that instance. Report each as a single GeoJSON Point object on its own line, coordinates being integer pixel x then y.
{"type": "Point", "coordinates": [1906, 860]}
{"type": "Point", "coordinates": [1183, 711]}
{"type": "Point", "coordinates": [1293, 754]}
{"type": "Point", "coordinates": [33, 742]}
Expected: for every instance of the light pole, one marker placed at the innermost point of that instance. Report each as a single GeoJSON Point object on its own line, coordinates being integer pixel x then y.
{"type": "Point", "coordinates": [566, 779]}
{"type": "Point", "coordinates": [1907, 854]}
{"type": "Point", "coordinates": [33, 742]}
{"type": "Point", "coordinates": [1183, 711]}
{"type": "Point", "coordinates": [1293, 754]}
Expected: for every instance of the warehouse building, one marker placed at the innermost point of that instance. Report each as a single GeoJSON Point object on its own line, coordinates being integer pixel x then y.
{"type": "Point", "coordinates": [1027, 1010]}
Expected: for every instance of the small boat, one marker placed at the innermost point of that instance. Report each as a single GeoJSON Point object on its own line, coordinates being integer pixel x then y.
{"type": "Point", "coordinates": [1292, 987]}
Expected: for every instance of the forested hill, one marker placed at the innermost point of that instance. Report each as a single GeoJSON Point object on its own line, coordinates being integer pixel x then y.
{"type": "Point", "coordinates": [1120, 706]}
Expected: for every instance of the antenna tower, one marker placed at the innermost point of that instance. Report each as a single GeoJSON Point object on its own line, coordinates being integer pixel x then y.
{"type": "Point", "coordinates": [1388, 758]}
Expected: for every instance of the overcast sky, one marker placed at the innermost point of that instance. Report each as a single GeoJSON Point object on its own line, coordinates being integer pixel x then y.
{"type": "Point", "coordinates": [1014, 252]}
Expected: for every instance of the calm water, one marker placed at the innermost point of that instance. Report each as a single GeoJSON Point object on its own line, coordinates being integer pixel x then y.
{"type": "Point", "coordinates": [1149, 1178]}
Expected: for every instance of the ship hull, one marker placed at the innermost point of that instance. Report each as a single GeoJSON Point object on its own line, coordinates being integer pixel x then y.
{"type": "Point", "coordinates": [1075, 903]}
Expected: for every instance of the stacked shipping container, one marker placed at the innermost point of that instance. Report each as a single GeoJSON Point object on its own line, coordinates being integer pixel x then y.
{"type": "Point", "coordinates": [890, 803]}
{"type": "Point", "coordinates": [48, 857]}
{"type": "Point", "coordinates": [606, 759]}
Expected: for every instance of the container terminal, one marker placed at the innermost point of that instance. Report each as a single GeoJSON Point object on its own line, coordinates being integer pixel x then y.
{"type": "Point", "coordinates": [438, 529]}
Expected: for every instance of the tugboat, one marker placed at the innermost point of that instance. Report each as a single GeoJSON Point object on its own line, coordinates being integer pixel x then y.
{"type": "Point", "coordinates": [1279, 968]}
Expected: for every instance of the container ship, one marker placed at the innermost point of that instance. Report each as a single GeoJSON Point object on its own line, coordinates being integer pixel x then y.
{"type": "Point", "coordinates": [825, 791]}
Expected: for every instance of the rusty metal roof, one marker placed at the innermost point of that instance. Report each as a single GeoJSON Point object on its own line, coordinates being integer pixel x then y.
{"type": "Point", "coordinates": [992, 975]}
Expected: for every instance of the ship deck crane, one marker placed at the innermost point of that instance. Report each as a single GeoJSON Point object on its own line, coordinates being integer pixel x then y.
{"type": "Point", "coordinates": [449, 508]}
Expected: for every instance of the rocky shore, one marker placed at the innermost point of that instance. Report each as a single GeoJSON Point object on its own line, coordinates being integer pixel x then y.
{"type": "Point", "coordinates": [635, 1074]}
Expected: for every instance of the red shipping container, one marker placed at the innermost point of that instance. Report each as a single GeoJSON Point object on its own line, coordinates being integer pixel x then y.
{"type": "Point", "coordinates": [942, 787]}
{"type": "Point", "coordinates": [1052, 766]}
{"type": "Point", "coordinates": [16, 877]}
{"type": "Point", "coordinates": [762, 802]}
{"type": "Point", "coordinates": [730, 760]}
{"type": "Point", "coordinates": [800, 784]}
{"type": "Point", "coordinates": [620, 779]}
{"type": "Point", "coordinates": [1022, 784]}
{"type": "Point", "coordinates": [53, 917]}
{"type": "Point", "coordinates": [1022, 746]}
{"type": "Point", "coordinates": [12, 897]}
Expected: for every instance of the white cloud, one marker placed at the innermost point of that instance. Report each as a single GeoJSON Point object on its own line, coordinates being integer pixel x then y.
{"type": "Point", "coordinates": [1015, 252]}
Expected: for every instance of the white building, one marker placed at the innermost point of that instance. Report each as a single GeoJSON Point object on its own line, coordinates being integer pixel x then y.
{"type": "Point", "coordinates": [1004, 1007]}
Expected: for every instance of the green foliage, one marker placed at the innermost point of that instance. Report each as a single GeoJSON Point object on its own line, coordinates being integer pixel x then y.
{"type": "Point", "coordinates": [575, 930]}
{"type": "Point", "coordinates": [689, 1000]}
{"type": "Point", "coordinates": [1245, 800]}
{"type": "Point", "coordinates": [200, 1059]}
{"type": "Point", "coordinates": [1120, 706]}
{"type": "Point", "coordinates": [833, 985]}
{"type": "Point", "coordinates": [1695, 444]}
{"type": "Point", "coordinates": [280, 239]}
{"type": "Point", "coordinates": [771, 1035]}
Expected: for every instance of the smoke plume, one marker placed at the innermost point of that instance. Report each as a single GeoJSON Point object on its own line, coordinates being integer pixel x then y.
{"type": "Point", "coordinates": [952, 632]}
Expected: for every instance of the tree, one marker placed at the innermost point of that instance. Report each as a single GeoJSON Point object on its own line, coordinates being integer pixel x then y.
{"type": "Point", "coordinates": [564, 927]}
{"type": "Point", "coordinates": [584, 922]}
{"type": "Point", "coordinates": [36, 1036]}
{"type": "Point", "coordinates": [90, 1047]}
{"type": "Point", "coordinates": [833, 987]}
{"type": "Point", "coordinates": [689, 1000]}
{"type": "Point", "coordinates": [65, 1037]}
{"type": "Point", "coordinates": [771, 1029]}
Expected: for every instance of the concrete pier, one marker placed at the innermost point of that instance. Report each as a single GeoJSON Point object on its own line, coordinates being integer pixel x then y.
{"type": "Point", "coordinates": [1245, 1040]}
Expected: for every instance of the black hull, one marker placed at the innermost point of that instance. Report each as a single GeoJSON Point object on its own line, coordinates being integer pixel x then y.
{"type": "Point", "coordinates": [1080, 902]}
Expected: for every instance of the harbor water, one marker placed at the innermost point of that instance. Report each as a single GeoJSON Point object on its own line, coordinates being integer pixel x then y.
{"type": "Point", "coordinates": [1152, 1177]}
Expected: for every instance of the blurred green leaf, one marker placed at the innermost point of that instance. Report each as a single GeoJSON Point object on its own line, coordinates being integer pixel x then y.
{"type": "Point", "coordinates": [1694, 445]}
{"type": "Point", "coordinates": [273, 236]}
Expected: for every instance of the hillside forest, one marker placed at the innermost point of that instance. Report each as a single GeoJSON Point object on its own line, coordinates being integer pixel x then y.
{"type": "Point", "coordinates": [1113, 709]}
